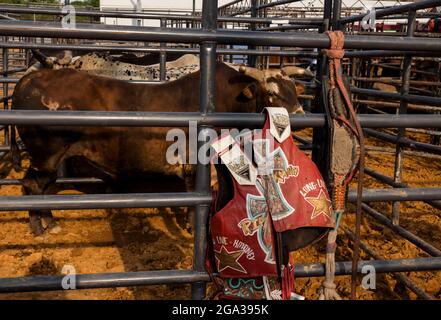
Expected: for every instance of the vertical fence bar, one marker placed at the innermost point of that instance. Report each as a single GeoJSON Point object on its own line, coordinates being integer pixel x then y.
{"type": "Point", "coordinates": [203, 176]}
{"type": "Point", "coordinates": [163, 56]}
{"type": "Point", "coordinates": [320, 136]}
{"type": "Point", "coordinates": [193, 13]}
{"type": "Point", "coordinates": [434, 138]}
{"type": "Point", "coordinates": [336, 15]}
{"type": "Point", "coordinates": [405, 77]}
{"type": "Point", "coordinates": [252, 60]}
{"type": "Point", "coordinates": [327, 14]}
{"type": "Point", "coordinates": [5, 62]}
{"type": "Point", "coordinates": [264, 60]}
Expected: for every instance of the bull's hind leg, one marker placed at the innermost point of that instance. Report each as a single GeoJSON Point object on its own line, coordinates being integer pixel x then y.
{"type": "Point", "coordinates": [35, 222]}
{"type": "Point", "coordinates": [48, 222]}
{"type": "Point", "coordinates": [36, 183]}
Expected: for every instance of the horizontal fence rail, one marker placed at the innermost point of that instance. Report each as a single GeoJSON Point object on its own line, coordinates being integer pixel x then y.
{"type": "Point", "coordinates": [405, 142]}
{"type": "Point", "coordinates": [399, 194]}
{"type": "Point", "coordinates": [409, 236]}
{"type": "Point", "coordinates": [390, 181]}
{"type": "Point", "coordinates": [141, 278]}
{"type": "Point", "coordinates": [285, 53]}
{"type": "Point", "coordinates": [152, 200]}
{"type": "Point", "coordinates": [84, 47]}
{"type": "Point", "coordinates": [396, 96]}
{"type": "Point", "coordinates": [387, 53]}
{"type": "Point", "coordinates": [128, 33]}
{"type": "Point", "coordinates": [103, 201]}
{"type": "Point", "coordinates": [175, 119]}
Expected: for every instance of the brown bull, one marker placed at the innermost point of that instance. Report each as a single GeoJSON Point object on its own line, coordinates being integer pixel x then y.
{"type": "Point", "coordinates": [117, 153]}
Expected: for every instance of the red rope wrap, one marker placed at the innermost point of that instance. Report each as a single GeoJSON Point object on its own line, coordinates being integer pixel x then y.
{"type": "Point", "coordinates": [335, 54]}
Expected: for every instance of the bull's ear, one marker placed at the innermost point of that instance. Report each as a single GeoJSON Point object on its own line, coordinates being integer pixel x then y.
{"type": "Point", "coordinates": [300, 88]}
{"type": "Point", "coordinates": [250, 91]}
{"type": "Point", "coordinates": [247, 92]}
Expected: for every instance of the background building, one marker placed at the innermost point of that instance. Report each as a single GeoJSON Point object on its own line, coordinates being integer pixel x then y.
{"type": "Point", "coordinates": [166, 6]}
{"type": "Point", "coordinates": [186, 7]}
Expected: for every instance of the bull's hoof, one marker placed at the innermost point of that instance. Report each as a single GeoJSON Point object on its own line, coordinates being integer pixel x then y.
{"type": "Point", "coordinates": [48, 222]}
{"type": "Point", "coordinates": [37, 228]}
{"type": "Point", "coordinates": [50, 225]}
{"type": "Point", "coordinates": [55, 230]}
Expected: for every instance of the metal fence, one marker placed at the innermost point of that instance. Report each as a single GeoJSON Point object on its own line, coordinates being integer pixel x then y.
{"type": "Point", "coordinates": [208, 37]}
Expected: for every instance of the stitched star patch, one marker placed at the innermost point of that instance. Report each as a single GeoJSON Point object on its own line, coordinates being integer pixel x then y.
{"type": "Point", "coordinates": [321, 204]}
{"type": "Point", "coordinates": [226, 259]}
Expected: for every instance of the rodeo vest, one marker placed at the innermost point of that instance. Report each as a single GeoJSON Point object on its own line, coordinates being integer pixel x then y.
{"type": "Point", "coordinates": [276, 188]}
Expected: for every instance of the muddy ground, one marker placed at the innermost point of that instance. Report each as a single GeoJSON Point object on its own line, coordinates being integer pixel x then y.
{"type": "Point", "coordinates": [95, 241]}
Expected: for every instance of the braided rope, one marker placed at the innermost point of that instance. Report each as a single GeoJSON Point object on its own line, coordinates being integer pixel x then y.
{"type": "Point", "coordinates": [328, 288]}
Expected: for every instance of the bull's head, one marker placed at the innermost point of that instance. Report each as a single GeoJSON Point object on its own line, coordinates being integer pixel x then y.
{"type": "Point", "coordinates": [274, 87]}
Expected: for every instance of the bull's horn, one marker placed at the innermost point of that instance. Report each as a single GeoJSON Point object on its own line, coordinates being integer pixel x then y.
{"type": "Point", "coordinates": [252, 72]}
{"type": "Point", "coordinates": [292, 71]}
{"type": "Point", "coordinates": [46, 61]}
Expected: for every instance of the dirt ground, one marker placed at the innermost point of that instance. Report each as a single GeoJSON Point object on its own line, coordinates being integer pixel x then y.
{"type": "Point", "coordinates": [95, 241]}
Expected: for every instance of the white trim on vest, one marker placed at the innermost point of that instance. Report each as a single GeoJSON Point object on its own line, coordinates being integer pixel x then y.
{"type": "Point", "coordinates": [240, 167]}
{"type": "Point", "coordinates": [280, 126]}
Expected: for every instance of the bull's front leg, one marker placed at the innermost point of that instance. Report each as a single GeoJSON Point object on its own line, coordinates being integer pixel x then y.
{"type": "Point", "coordinates": [36, 183]}
{"type": "Point", "coordinates": [48, 221]}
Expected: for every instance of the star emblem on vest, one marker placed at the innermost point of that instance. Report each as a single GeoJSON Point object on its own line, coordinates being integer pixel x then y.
{"type": "Point", "coordinates": [321, 204]}
{"type": "Point", "coordinates": [226, 259]}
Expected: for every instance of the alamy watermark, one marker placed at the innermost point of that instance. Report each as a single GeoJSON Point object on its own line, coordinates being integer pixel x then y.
{"type": "Point", "coordinates": [368, 22]}
{"type": "Point", "coordinates": [256, 144]}
{"type": "Point", "coordinates": [69, 21]}
{"type": "Point", "coordinates": [369, 281]}
{"type": "Point", "coordinates": [69, 281]}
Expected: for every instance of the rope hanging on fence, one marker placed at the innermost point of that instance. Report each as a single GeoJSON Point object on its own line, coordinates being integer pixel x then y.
{"type": "Point", "coordinates": [346, 133]}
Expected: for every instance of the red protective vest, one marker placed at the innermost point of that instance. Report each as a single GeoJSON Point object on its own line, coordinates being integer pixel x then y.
{"type": "Point", "coordinates": [280, 190]}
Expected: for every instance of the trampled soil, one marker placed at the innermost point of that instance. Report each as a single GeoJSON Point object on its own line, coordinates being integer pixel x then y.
{"type": "Point", "coordinates": [94, 241]}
